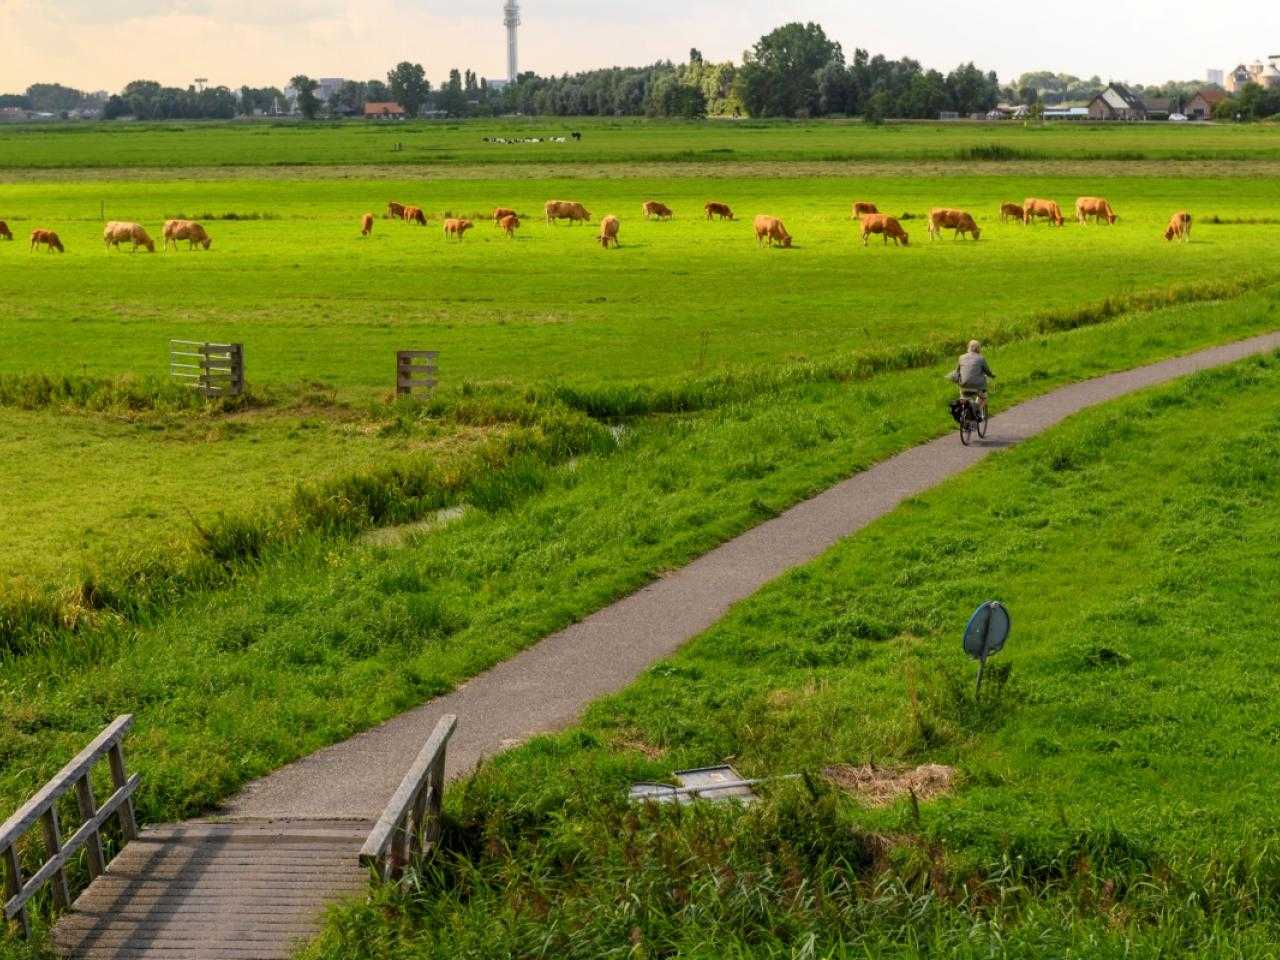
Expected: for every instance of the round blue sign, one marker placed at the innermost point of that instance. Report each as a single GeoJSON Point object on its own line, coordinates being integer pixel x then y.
{"type": "Point", "coordinates": [987, 630]}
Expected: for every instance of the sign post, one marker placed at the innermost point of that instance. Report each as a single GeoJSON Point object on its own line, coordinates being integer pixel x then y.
{"type": "Point", "coordinates": [985, 635]}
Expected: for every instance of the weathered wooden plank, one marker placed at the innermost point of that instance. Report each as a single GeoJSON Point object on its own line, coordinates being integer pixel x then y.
{"type": "Point", "coordinates": [383, 832]}
{"type": "Point", "coordinates": [33, 809]}
{"type": "Point", "coordinates": [13, 888]}
{"type": "Point", "coordinates": [53, 846]}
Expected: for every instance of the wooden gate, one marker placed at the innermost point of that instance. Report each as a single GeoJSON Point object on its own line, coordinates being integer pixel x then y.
{"type": "Point", "coordinates": [214, 369]}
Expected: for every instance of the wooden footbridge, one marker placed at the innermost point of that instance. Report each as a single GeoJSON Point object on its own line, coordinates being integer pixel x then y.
{"type": "Point", "coordinates": [235, 889]}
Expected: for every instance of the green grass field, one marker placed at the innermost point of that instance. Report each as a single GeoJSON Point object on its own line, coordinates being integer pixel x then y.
{"type": "Point", "coordinates": [603, 416]}
{"type": "Point", "coordinates": [1114, 793]}
{"type": "Point", "coordinates": [627, 141]}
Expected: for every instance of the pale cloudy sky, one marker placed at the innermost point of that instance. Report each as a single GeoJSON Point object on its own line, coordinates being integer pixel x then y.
{"type": "Point", "coordinates": [101, 44]}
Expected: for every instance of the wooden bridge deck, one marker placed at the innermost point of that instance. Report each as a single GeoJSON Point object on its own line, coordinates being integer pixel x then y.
{"type": "Point", "coordinates": [238, 890]}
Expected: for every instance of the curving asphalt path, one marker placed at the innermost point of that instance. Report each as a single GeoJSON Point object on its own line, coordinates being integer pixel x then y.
{"type": "Point", "coordinates": [545, 687]}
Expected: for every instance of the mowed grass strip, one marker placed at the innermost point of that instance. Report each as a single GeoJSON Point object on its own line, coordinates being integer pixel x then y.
{"type": "Point", "coordinates": [313, 302]}
{"type": "Point", "coordinates": [1114, 793]}
{"type": "Point", "coordinates": [177, 144]}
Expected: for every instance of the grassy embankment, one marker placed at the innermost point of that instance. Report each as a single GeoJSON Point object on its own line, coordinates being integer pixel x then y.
{"type": "Point", "coordinates": [1114, 795]}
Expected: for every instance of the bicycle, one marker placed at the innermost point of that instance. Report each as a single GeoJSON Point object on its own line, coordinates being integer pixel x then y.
{"type": "Point", "coordinates": [970, 418]}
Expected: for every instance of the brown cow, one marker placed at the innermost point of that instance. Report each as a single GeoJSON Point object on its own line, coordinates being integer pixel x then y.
{"type": "Point", "coordinates": [1010, 211]}
{"type": "Point", "coordinates": [566, 210]}
{"type": "Point", "coordinates": [118, 231]}
{"type": "Point", "coordinates": [48, 238]}
{"type": "Point", "coordinates": [652, 208]}
{"type": "Point", "coordinates": [720, 210]}
{"type": "Point", "coordinates": [456, 227]}
{"type": "Point", "coordinates": [861, 208]}
{"type": "Point", "coordinates": [415, 215]}
{"type": "Point", "coordinates": [609, 231]}
{"type": "Point", "coordinates": [366, 225]}
{"type": "Point", "coordinates": [5, 232]}
{"type": "Point", "coordinates": [771, 230]}
{"type": "Point", "coordinates": [188, 230]}
{"type": "Point", "coordinates": [500, 213]}
{"type": "Point", "coordinates": [1032, 208]}
{"type": "Point", "coordinates": [509, 224]}
{"type": "Point", "coordinates": [886, 226]}
{"type": "Point", "coordinates": [1095, 207]}
{"type": "Point", "coordinates": [395, 210]}
{"type": "Point", "coordinates": [1179, 227]}
{"type": "Point", "coordinates": [957, 220]}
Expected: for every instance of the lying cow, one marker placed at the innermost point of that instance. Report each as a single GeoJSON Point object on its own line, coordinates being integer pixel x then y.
{"type": "Point", "coordinates": [456, 227]}
{"type": "Point", "coordinates": [48, 238]}
{"type": "Point", "coordinates": [1011, 211]}
{"type": "Point", "coordinates": [395, 210]}
{"type": "Point", "coordinates": [886, 226]}
{"type": "Point", "coordinates": [609, 231]}
{"type": "Point", "coordinates": [188, 230]}
{"type": "Point", "coordinates": [5, 232]}
{"type": "Point", "coordinates": [366, 225]}
{"type": "Point", "coordinates": [567, 210]}
{"type": "Point", "coordinates": [1179, 227]}
{"type": "Point", "coordinates": [943, 219]}
{"type": "Point", "coordinates": [652, 208]}
{"type": "Point", "coordinates": [501, 213]}
{"type": "Point", "coordinates": [415, 215]}
{"type": "Point", "coordinates": [861, 208]}
{"type": "Point", "coordinates": [118, 231]}
{"type": "Point", "coordinates": [720, 210]}
{"type": "Point", "coordinates": [1095, 207]}
{"type": "Point", "coordinates": [509, 224]}
{"type": "Point", "coordinates": [1046, 209]}
{"type": "Point", "coordinates": [771, 230]}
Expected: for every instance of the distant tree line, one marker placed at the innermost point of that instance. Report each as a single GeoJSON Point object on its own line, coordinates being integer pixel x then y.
{"type": "Point", "coordinates": [1253, 102]}
{"type": "Point", "coordinates": [51, 98]}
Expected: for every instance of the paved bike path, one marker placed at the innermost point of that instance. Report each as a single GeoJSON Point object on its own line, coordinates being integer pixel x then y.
{"type": "Point", "coordinates": [545, 687]}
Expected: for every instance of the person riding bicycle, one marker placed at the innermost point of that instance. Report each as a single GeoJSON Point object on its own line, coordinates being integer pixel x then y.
{"type": "Point", "coordinates": [971, 375]}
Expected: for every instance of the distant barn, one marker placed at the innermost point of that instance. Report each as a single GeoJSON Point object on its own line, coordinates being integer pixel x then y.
{"type": "Point", "coordinates": [384, 111]}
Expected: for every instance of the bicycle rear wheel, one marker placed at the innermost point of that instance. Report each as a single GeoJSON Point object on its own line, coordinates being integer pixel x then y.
{"type": "Point", "coordinates": [984, 425]}
{"type": "Point", "coordinates": [966, 428]}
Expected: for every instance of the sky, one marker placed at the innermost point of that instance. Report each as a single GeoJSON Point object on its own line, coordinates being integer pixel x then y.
{"type": "Point", "coordinates": [99, 44]}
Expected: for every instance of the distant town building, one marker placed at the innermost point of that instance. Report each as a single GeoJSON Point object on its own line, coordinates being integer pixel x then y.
{"type": "Point", "coordinates": [384, 111]}
{"type": "Point", "coordinates": [1264, 75]}
{"type": "Point", "coordinates": [511, 20]}
{"type": "Point", "coordinates": [1200, 107]}
{"type": "Point", "coordinates": [1118, 102]}
{"type": "Point", "coordinates": [1213, 76]}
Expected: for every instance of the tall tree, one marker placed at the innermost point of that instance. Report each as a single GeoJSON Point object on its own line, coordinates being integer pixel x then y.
{"type": "Point", "coordinates": [409, 87]}
{"type": "Point", "coordinates": [779, 72]}
{"type": "Point", "coordinates": [308, 102]}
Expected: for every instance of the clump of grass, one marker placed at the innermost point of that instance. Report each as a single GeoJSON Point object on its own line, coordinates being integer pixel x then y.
{"type": "Point", "coordinates": [229, 215]}
{"type": "Point", "coordinates": [997, 152]}
{"type": "Point", "coordinates": [122, 394]}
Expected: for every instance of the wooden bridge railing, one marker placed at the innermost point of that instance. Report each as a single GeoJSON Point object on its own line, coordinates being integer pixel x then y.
{"type": "Point", "coordinates": [410, 825]}
{"type": "Point", "coordinates": [57, 851]}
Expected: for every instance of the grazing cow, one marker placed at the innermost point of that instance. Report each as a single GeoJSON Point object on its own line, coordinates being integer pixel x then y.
{"type": "Point", "coordinates": [415, 215]}
{"type": "Point", "coordinates": [456, 227]}
{"type": "Point", "coordinates": [501, 212]}
{"type": "Point", "coordinates": [117, 232]}
{"type": "Point", "coordinates": [366, 225]}
{"type": "Point", "coordinates": [566, 210]}
{"type": "Point", "coordinates": [1047, 209]}
{"type": "Point", "coordinates": [1095, 207]}
{"type": "Point", "coordinates": [942, 219]}
{"type": "Point", "coordinates": [395, 210]}
{"type": "Point", "coordinates": [5, 232]}
{"type": "Point", "coordinates": [1010, 211]}
{"type": "Point", "coordinates": [609, 227]}
{"type": "Point", "coordinates": [886, 226]}
{"type": "Point", "coordinates": [652, 208]}
{"type": "Point", "coordinates": [771, 230]}
{"type": "Point", "coordinates": [720, 210]}
{"type": "Point", "coordinates": [188, 230]}
{"type": "Point", "coordinates": [48, 238]}
{"type": "Point", "coordinates": [509, 224]}
{"type": "Point", "coordinates": [861, 208]}
{"type": "Point", "coordinates": [1179, 227]}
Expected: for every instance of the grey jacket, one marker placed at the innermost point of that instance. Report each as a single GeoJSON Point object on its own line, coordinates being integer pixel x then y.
{"type": "Point", "coordinates": [971, 372]}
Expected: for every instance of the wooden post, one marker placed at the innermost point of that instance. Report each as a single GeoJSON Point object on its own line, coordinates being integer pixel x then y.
{"type": "Point", "coordinates": [13, 887]}
{"type": "Point", "coordinates": [415, 368]}
{"type": "Point", "coordinates": [53, 847]}
{"type": "Point", "coordinates": [128, 824]}
{"type": "Point", "coordinates": [437, 798]}
{"type": "Point", "coordinates": [89, 809]}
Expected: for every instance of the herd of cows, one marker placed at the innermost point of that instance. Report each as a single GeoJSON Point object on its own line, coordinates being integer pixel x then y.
{"type": "Point", "coordinates": [769, 231]}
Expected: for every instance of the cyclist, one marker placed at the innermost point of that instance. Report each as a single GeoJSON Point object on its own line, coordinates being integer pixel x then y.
{"type": "Point", "coordinates": [971, 375]}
